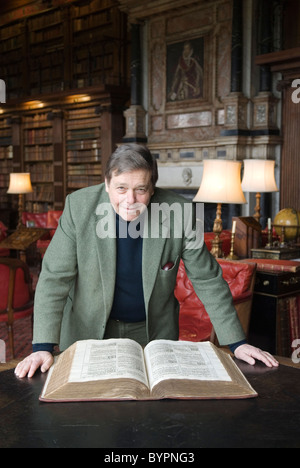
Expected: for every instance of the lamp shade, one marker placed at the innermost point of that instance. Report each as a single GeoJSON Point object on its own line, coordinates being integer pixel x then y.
{"type": "Point", "coordinates": [19, 183]}
{"type": "Point", "coordinates": [221, 182]}
{"type": "Point", "coordinates": [259, 176]}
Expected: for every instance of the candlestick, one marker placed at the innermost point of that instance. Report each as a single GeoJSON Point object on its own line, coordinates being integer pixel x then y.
{"type": "Point", "coordinates": [233, 227]}
{"type": "Point", "coordinates": [232, 255]}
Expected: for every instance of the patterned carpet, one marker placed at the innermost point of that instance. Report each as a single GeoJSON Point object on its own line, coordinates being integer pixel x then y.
{"type": "Point", "coordinates": [22, 338]}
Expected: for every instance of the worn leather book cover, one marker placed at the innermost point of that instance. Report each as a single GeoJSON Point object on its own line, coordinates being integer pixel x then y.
{"type": "Point", "coordinates": [120, 369]}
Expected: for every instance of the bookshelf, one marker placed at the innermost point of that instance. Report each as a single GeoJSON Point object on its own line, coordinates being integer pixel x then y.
{"type": "Point", "coordinates": [46, 52]}
{"type": "Point", "coordinates": [11, 52]}
{"type": "Point", "coordinates": [42, 156]}
{"type": "Point", "coordinates": [6, 160]}
{"type": "Point", "coordinates": [83, 148]}
{"type": "Point", "coordinates": [97, 38]}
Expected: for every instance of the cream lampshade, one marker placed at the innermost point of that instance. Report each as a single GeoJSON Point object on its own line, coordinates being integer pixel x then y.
{"type": "Point", "coordinates": [221, 183]}
{"type": "Point", "coordinates": [259, 177]}
{"type": "Point", "coordinates": [20, 184]}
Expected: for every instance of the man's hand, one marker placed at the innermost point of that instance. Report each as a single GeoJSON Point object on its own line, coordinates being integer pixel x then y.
{"type": "Point", "coordinates": [30, 364]}
{"type": "Point", "coordinates": [249, 354]}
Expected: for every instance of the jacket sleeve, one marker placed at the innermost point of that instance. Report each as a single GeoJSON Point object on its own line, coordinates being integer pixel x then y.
{"type": "Point", "coordinates": [206, 276]}
{"type": "Point", "coordinates": [59, 270]}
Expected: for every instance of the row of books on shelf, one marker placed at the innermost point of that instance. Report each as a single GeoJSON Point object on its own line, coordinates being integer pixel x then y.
{"type": "Point", "coordinates": [100, 63]}
{"type": "Point", "coordinates": [83, 134]}
{"type": "Point", "coordinates": [89, 121]}
{"type": "Point", "coordinates": [80, 181]}
{"type": "Point", "coordinates": [6, 152]}
{"type": "Point", "coordinates": [40, 173]}
{"type": "Point", "coordinates": [41, 193]}
{"type": "Point", "coordinates": [38, 153]}
{"type": "Point", "coordinates": [288, 329]}
{"type": "Point", "coordinates": [5, 140]}
{"type": "Point", "coordinates": [39, 136]}
{"type": "Point", "coordinates": [76, 145]}
{"type": "Point", "coordinates": [6, 166]}
{"type": "Point", "coordinates": [41, 35]}
{"type": "Point", "coordinates": [82, 157]}
{"type": "Point", "coordinates": [92, 21]}
{"type": "Point", "coordinates": [45, 20]}
{"type": "Point", "coordinates": [9, 44]}
{"type": "Point", "coordinates": [85, 169]}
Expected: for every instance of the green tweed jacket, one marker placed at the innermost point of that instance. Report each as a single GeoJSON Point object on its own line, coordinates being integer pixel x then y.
{"type": "Point", "coordinates": [75, 291]}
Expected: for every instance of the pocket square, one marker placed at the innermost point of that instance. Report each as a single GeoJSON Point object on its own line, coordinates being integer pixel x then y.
{"type": "Point", "coordinates": [168, 266]}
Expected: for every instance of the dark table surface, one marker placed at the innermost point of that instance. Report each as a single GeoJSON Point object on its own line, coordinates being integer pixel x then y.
{"type": "Point", "coordinates": [271, 420]}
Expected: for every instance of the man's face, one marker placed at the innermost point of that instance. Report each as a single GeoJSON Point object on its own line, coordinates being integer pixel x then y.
{"type": "Point", "coordinates": [130, 193]}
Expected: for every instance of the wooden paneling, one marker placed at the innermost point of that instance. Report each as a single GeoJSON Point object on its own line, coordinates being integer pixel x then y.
{"type": "Point", "coordinates": [290, 161]}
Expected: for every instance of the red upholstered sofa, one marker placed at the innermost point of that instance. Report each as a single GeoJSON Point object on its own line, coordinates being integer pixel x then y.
{"type": "Point", "coordinates": [194, 322]}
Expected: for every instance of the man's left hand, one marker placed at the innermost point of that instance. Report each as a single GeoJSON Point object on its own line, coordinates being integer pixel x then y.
{"type": "Point", "coordinates": [249, 354]}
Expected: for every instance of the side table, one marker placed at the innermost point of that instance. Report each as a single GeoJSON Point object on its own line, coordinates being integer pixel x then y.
{"type": "Point", "coordinates": [22, 238]}
{"type": "Point", "coordinates": [275, 318]}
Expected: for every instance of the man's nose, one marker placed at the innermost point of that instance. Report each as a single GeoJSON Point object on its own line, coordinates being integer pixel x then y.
{"type": "Point", "coordinates": [131, 199]}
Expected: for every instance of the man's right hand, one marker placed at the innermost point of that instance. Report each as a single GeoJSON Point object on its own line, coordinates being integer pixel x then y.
{"type": "Point", "coordinates": [30, 364]}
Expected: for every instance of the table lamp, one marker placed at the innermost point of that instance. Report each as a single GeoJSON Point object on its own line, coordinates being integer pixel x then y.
{"type": "Point", "coordinates": [20, 184]}
{"type": "Point", "coordinates": [259, 177]}
{"type": "Point", "coordinates": [221, 183]}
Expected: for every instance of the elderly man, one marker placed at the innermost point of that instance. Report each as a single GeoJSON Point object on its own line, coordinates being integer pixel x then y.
{"type": "Point", "coordinates": [110, 270]}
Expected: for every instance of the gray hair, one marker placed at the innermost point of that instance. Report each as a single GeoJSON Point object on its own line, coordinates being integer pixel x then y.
{"type": "Point", "coordinates": [131, 157]}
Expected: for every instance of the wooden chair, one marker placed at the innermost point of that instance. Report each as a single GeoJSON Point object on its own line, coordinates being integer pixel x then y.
{"type": "Point", "coordinates": [16, 294]}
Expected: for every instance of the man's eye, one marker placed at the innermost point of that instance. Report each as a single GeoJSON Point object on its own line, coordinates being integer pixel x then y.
{"type": "Point", "coordinates": [141, 191]}
{"type": "Point", "coordinates": [121, 189]}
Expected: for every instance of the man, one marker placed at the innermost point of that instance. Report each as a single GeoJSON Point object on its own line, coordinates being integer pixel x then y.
{"type": "Point", "coordinates": [110, 270]}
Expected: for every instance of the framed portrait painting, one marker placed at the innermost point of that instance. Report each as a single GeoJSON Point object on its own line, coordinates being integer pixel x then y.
{"type": "Point", "coordinates": [185, 70]}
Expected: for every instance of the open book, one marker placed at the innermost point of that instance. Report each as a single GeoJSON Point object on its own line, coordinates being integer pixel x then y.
{"type": "Point", "coordinates": [120, 369]}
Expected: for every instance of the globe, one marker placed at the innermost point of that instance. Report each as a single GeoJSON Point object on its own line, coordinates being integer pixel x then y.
{"type": "Point", "coordinates": [288, 217]}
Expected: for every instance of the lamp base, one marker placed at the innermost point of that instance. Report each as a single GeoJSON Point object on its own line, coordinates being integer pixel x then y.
{"type": "Point", "coordinates": [216, 250]}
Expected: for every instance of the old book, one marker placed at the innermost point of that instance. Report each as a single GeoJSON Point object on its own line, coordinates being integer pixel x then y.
{"type": "Point", "coordinates": [120, 369]}
{"type": "Point", "coordinates": [276, 265]}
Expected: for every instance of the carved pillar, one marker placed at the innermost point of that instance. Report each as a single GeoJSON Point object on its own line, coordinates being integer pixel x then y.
{"type": "Point", "coordinates": [265, 104]}
{"type": "Point", "coordinates": [235, 103]}
{"type": "Point", "coordinates": [135, 115]}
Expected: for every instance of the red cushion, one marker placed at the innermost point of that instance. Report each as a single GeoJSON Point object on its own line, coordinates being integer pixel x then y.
{"type": "Point", "coordinates": [21, 293]}
{"type": "Point", "coordinates": [39, 219]}
{"type": "Point", "coordinates": [53, 218]}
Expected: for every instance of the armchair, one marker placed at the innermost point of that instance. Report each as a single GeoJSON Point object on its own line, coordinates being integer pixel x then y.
{"type": "Point", "coordinates": [16, 295]}
{"type": "Point", "coordinates": [194, 322]}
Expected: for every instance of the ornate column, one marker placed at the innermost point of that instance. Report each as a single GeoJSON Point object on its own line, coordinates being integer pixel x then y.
{"type": "Point", "coordinates": [265, 104]}
{"type": "Point", "coordinates": [135, 115]}
{"type": "Point", "coordinates": [236, 103]}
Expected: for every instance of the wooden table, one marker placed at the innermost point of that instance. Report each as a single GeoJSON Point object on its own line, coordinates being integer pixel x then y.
{"type": "Point", "coordinates": [22, 238]}
{"type": "Point", "coordinates": [271, 420]}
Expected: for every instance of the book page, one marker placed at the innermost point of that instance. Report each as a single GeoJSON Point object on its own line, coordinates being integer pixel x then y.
{"type": "Point", "coordinates": [108, 359]}
{"type": "Point", "coordinates": [183, 360]}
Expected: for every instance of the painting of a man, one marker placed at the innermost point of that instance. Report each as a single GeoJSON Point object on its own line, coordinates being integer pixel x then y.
{"type": "Point", "coordinates": [185, 72]}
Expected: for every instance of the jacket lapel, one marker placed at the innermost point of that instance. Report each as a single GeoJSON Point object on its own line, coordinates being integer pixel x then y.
{"type": "Point", "coordinates": [156, 232]}
{"type": "Point", "coordinates": [105, 236]}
